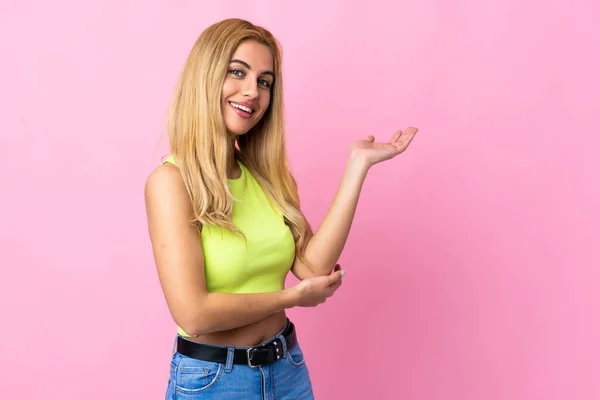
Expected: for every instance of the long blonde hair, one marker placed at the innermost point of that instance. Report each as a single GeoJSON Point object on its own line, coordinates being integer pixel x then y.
{"type": "Point", "coordinates": [200, 144]}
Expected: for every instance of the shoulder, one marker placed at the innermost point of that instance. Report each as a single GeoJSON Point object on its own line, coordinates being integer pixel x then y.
{"type": "Point", "coordinates": [165, 176]}
{"type": "Point", "coordinates": [165, 187]}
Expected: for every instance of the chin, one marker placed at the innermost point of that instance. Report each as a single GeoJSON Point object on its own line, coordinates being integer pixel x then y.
{"type": "Point", "coordinates": [236, 131]}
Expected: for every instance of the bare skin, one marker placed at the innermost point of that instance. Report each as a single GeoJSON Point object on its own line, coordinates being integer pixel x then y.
{"type": "Point", "coordinates": [217, 318]}
{"type": "Point", "coordinates": [250, 319]}
{"type": "Point", "coordinates": [249, 335]}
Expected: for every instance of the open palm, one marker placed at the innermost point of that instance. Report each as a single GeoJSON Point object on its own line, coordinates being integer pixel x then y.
{"type": "Point", "coordinates": [375, 152]}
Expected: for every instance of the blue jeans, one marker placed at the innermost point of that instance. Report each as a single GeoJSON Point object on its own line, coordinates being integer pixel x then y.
{"type": "Point", "coordinates": [287, 378]}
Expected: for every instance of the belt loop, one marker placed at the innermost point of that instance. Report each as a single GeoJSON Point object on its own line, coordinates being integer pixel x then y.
{"type": "Point", "coordinates": [283, 345]}
{"type": "Point", "coordinates": [175, 345]}
{"type": "Point", "coordinates": [229, 362]}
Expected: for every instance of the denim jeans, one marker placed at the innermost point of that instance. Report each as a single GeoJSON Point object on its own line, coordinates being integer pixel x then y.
{"type": "Point", "coordinates": [287, 378]}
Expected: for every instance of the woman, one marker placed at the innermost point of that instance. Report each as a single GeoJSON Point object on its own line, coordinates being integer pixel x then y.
{"type": "Point", "coordinates": [226, 227]}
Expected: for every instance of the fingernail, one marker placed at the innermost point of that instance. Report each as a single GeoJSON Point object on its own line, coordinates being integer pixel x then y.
{"type": "Point", "coordinates": [343, 272]}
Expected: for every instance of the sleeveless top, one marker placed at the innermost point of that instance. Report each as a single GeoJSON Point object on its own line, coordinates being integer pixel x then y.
{"type": "Point", "coordinates": [262, 261]}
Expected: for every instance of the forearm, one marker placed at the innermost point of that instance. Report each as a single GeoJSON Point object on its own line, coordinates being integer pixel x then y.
{"type": "Point", "coordinates": [223, 311]}
{"type": "Point", "coordinates": [326, 245]}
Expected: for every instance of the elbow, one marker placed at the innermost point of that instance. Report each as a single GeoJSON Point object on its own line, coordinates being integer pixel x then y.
{"type": "Point", "coordinates": [318, 266]}
{"type": "Point", "coordinates": [196, 325]}
{"type": "Point", "coordinates": [193, 331]}
{"type": "Point", "coordinates": [322, 269]}
{"type": "Point", "coordinates": [193, 317]}
{"type": "Point", "coordinates": [193, 327]}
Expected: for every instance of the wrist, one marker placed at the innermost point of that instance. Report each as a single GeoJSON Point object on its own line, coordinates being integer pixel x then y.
{"type": "Point", "coordinates": [290, 297]}
{"type": "Point", "coordinates": [358, 164]}
{"type": "Point", "coordinates": [357, 160]}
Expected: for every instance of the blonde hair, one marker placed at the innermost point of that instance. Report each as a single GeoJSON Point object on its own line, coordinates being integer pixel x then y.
{"type": "Point", "coordinates": [200, 144]}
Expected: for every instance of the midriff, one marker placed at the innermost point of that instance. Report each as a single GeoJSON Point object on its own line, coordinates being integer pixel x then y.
{"type": "Point", "coordinates": [249, 335]}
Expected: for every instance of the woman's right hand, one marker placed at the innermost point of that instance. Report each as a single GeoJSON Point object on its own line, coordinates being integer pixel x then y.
{"type": "Point", "coordinates": [313, 291]}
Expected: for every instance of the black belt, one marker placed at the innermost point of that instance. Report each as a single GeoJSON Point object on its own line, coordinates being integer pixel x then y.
{"type": "Point", "coordinates": [264, 354]}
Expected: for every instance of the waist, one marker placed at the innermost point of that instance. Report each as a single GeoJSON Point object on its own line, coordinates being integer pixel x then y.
{"type": "Point", "coordinates": [249, 335]}
{"type": "Point", "coordinates": [264, 353]}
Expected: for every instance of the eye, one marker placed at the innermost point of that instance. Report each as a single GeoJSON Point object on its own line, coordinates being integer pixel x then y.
{"type": "Point", "coordinates": [264, 83]}
{"type": "Point", "coordinates": [236, 72]}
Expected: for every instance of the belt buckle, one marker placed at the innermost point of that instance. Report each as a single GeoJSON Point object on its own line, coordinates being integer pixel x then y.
{"type": "Point", "coordinates": [250, 358]}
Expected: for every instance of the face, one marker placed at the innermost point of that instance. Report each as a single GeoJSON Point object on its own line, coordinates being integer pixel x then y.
{"type": "Point", "coordinates": [247, 88]}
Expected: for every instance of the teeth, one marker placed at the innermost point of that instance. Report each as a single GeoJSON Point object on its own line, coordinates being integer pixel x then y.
{"type": "Point", "coordinates": [248, 110]}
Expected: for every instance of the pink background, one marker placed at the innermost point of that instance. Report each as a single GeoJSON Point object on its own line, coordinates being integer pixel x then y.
{"type": "Point", "coordinates": [473, 260]}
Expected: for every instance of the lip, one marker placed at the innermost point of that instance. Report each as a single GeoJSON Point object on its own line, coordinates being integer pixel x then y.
{"type": "Point", "coordinates": [241, 113]}
{"type": "Point", "coordinates": [245, 104]}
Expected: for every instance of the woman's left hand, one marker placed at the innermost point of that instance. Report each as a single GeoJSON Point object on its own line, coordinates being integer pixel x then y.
{"type": "Point", "coordinates": [371, 152]}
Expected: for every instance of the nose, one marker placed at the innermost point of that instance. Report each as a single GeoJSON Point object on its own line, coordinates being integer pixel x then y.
{"type": "Point", "coordinates": [250, 89]}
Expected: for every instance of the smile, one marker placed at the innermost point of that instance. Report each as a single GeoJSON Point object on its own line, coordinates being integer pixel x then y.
{"type": "Point", "coordinates": [241, 107]}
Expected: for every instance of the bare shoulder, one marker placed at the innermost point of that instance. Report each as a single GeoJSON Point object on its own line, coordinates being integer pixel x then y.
{"type": "Point", "coordinates": [165, 176]}
{"type": "Point", "coordinates": [165, 188]}
{"type": "Point", "coordinates": [177, 251]}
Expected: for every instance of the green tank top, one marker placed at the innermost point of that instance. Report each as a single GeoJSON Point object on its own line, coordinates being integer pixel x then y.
{"type": "Point", "coordinates": [262, 263]}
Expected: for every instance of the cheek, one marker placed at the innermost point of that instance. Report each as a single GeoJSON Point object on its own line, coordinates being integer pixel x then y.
{"type": "Point", "coordinates": [265, 101]}
{"type": "Point", "coordinates": [227, 90]}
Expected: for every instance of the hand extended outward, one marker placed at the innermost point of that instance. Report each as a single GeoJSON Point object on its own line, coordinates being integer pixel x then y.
{"type": "Point", "coordinates": [326, 245]}
{"type": "Point", "coordinates": [370, 152]}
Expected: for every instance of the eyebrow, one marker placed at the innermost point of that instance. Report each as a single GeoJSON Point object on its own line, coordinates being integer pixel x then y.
{"type": "Point", "coordinates": [245, 64]}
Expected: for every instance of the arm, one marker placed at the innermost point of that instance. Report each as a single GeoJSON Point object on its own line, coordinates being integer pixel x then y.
{"type": "Point", "coordinates": [325, 247]}
{"type": "Point", "coordinates": [179, 260]}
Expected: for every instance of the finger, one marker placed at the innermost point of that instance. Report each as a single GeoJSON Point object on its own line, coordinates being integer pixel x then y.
{"type": "Point", "coordinates": [409, 133]}
{"type": "Point", "coordinates": [336, 285]}
{"type": "Point", "coordinates": [406, 138]}
{"type": "Point", "coordinates": [395, 137]}
{"type": "Point", "coordinates": [370, 138]}
{"type": "Point", "coordinates": [336, 268]}
{"type": "Point", "coordinates": [336, 276]}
